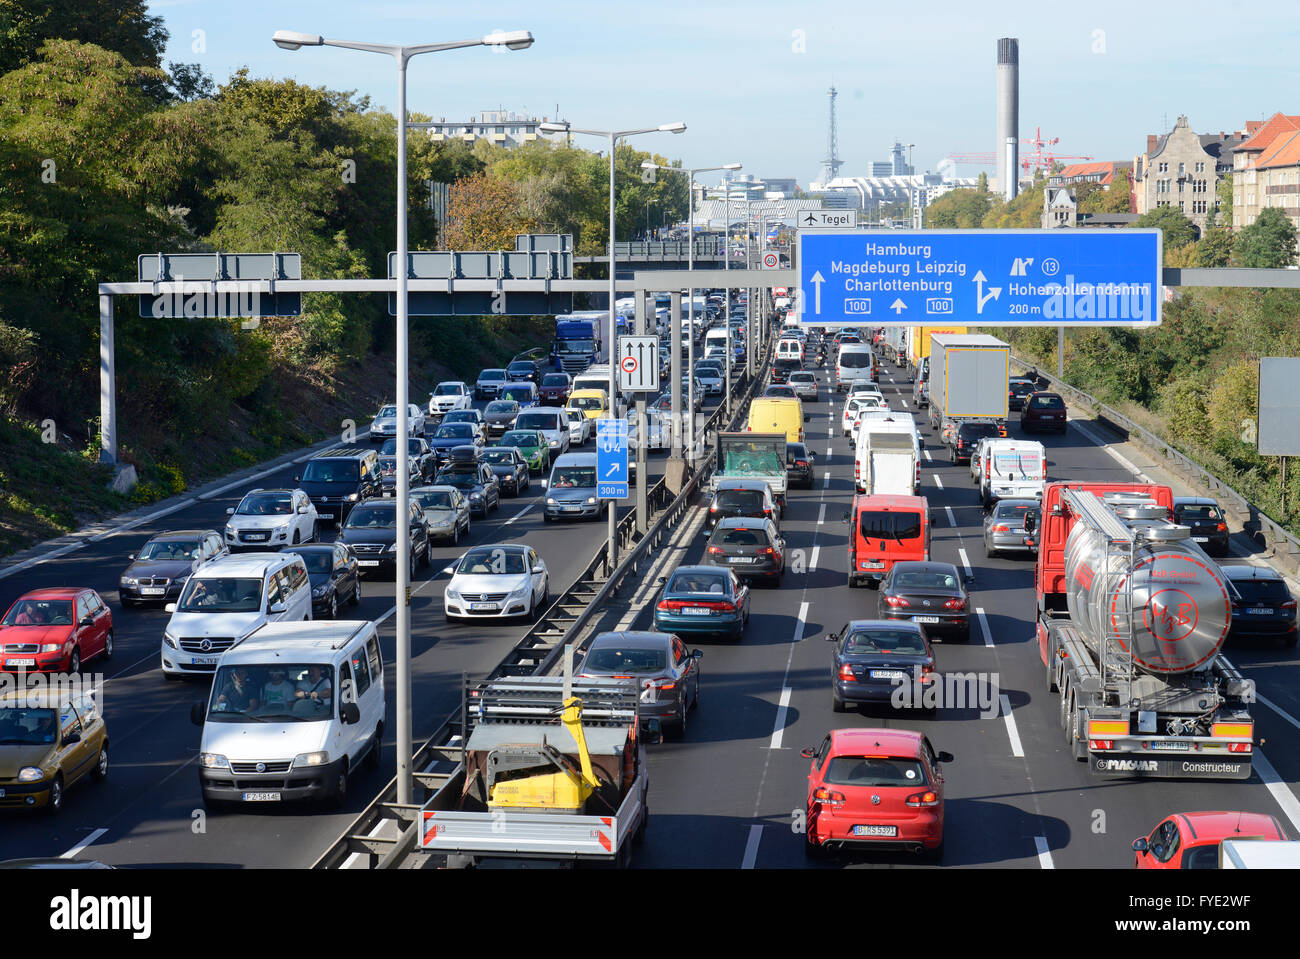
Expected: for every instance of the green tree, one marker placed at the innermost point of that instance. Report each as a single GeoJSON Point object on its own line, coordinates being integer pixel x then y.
{"type": "Point", "coordinates": [1269, 242]}
{"type": "Point", "coordinates": [959, 210]}
{"type": "Point", "coordinates": [982, 183]}
{"type": "Point", "coordinates": [1178, 230]}
{"type": "Point", "coordinates": [1214, 248]}
{"type": "Point", "coordinates": [485, 213]}
{"type": "Point", "coordinates": [1234, 397]}
{"type": "Point", "coordinates": [123, 26]}
{"type": "Point", "coordinates": [1223, 194]}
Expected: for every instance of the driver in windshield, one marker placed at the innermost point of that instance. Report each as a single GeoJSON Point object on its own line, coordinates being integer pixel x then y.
{"type": "Point", "coordinates": [30, 615]}
{"type": "Point", "coordinates": [314, 686]}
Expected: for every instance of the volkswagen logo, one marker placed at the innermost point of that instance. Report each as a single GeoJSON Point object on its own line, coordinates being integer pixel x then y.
{"type": "Point", "coordinates": [927, 602]}
{"type": "Point", "coordinates": [206, 645]}
{"type": "Point", "coordinates": [875, 800]}
{"type": "Point", "coordinates": [261, 767]}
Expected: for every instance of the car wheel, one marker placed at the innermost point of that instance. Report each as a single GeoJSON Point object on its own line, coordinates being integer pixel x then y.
{"type": "Point", "coordinates": [100, 772]}
{"type": "Point", "coordinates": [426, 554]}
{"type": "Point", "coordinates": [411, 575]}
{"type": "Point", "coordinates": [952, 457]}
{"type": "Point", "coordinates": [356, 594]}
{"type": "Point", "coordinates": [989, 551]}
{"type": "Point", "coordinates": [679, 731]}
{"type": "Point", "coordinates": [455, 533]}
{"type": "Point", "coordinates": [334, 605]}
{"type": "Point", "coordinates": [127, 603]}
{"type": "Point", "coordinates": [339, 797]}
{"type": "Point", "coordinates": [74, 661]}
{"type": "Point", "coordinates": [837, 705]}
{"type": "Point", "coordinates": [55, 803]}
{"type": "Point", "coordinates": [295, 537]}
{"type": "Point", "coordinates": [374, 757]}
{"type": "Point", "coordinates": [547, 518]}
{"type": "Point", "coordinates": [1078, 745]}
{"type": "Point", "coordinates": [1290, 639]}
{"type": "Point", "coordinates": [108, 645]}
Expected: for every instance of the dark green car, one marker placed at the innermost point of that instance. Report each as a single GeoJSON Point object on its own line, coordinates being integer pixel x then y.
{"type": "Point", "coordinates": [532, 443]}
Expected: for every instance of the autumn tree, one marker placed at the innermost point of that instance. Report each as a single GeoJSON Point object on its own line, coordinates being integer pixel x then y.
{"type": "Point", "coordinates": [485, 213]}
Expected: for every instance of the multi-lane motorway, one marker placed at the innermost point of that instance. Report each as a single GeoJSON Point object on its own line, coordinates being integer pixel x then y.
{"type": "Point", "coordinates": [725, 796]}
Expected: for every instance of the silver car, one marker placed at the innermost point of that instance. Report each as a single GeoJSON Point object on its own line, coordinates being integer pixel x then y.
{"type": "Point", "coordinates": [668, 672]}
{"type": "Point", "coordinates": [710, 377]}
{"type": "Point", "coordinates": [446, 512]}
{"type": "Point", "coordinates": [384, 425]}
{"type": "Point", "coordinates": [804, 384]}
{"type": "Point", "coordinates": [580, 427]}
{"type": "Point", "coordinates": [1004, 527]}
{"type": "Point", "coordinates": [571, 490]}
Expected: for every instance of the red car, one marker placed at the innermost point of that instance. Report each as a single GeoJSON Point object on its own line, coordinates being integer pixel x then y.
{"type": "Point", "coordinates": [875, 787]}
{"type": "Point", "coordinates": [1043, 411]}
{"type": "Point", "coordinates": [55, 630]}
{"type": "Point", "coordinates": [555, 389]}
{"type": "Point", "coordinates": [1190, 840]}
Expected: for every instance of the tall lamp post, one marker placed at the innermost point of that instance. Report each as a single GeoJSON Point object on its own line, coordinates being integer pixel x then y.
{"type": "Point", "coordinates": [690, 306]}
{"type": "Point", "coordinates": [611, 551]}
{"type": "Point", "coordinates": [512, 40]}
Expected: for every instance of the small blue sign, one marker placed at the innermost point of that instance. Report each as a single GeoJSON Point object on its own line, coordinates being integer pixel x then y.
{"type": "Point", "coordinates": [611, 459]}
{"type": "Point", "coordinates": [1067, 277]}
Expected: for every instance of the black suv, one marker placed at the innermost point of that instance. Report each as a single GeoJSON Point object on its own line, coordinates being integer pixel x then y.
{"type": "Point", "coordinates": [524, 370]}
{"type": "Point", "coordinates": [339, 478]}
{"type": "Point", "coordinates": [1262, 606]}
{"type": "Point", "coordinates": [371, 531]}
{"type": "Point", "coordinates": [965, 437]}
{"type": "Point", "coordinates": [781, 369]}
{"type": "Point", "coordinates": [1018, 390]}
{"type": "Point", "coordinates": [1208, 524]}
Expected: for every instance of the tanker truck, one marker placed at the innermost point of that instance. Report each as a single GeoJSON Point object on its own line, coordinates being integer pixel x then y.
{"type": "Point", "coordinates": [1131, 620]}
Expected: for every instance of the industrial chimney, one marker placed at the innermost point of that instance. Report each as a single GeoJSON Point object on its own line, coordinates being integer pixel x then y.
{"type": "Point", "coordinates": [1008, 115]}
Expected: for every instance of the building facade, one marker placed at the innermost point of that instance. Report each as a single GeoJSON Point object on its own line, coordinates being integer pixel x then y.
{"type": "Point", "coordinates": [1266, 170]}
{"type": "Point", "coordinates": [1060, 210]}
{"type": "Point", "coordinates": [502, 127]}
{"type": "Point", "coordinates": [1182, 169]}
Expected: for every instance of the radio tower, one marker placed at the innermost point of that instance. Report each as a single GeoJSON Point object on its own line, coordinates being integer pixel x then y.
{"type": "Point", "coordinates": [831, 165]}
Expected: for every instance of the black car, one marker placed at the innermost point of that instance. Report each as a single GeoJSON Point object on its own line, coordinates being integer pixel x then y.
{"type": "Point", "coordinates": [781, 391]}
{"type": "Point", "coordinates": [1018, 390]}
{"type": "Point", "coordinates": [1262, 606]}
{"type": "Point", "coordinates": [965, 437]}
{"type": "Point", "coordinates": [335, 577]}
{"type": "Point", "coordinates": [750, 547]}
{"type": "Point", "coordinates": [449, 435]}
{"type": "Point", "coordinates": [335, 479]}
{"type": "Point", "coordinates": [799, 463]}
{"type": "Point", "coordinates": [872, 658]}
{"type": "Point", "coordinates": [742, 497]}
{"type": "Point", "coordinates": [371, 531]}
{"type": "Point", "coordinates": [928, 593]}
{"type": "Point", "coordinates": [477, 481]}
{"type": "Point", "coordinates": [510, 467]}
{"type": "Point", "coordinates": [781, 369]}
{"type": "Point", "coordinates": [521, 370]}
{"type": "Point", "coordinates": [499, 417]}
{"type": "Point", "coordinates": [1208, 524]}
{"type": "Point", "coordinates": [161, 569]}
{"type": "Point", "coordinates": [419, 457]}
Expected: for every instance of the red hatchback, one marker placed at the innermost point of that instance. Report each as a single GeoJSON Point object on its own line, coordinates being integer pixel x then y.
{"type": "Point", "coordinates": [875, 787]}
{"type": "Point", "coordinates": [55, 630]}
{"type": "Point", "coordinates": [1043, 411]}
{"type": "Point", "coordinates": [1190, 840]}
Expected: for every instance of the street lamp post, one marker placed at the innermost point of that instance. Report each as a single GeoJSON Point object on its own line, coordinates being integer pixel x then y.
{"type": "Point", "coordinates": [690, 306]}
{"type": "Point", "coordinates": [513, 40]}
{"type": "Point", "coordinates": [611, 552]}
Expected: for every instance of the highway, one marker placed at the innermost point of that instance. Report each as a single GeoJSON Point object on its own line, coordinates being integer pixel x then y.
{"type": "Point", "coordinates": [728, 794]}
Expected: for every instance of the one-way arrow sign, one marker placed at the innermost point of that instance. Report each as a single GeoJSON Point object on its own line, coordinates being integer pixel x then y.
{"type": "Point", "coordinates": [898, 306]}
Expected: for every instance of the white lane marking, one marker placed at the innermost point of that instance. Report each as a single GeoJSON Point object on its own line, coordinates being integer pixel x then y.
{"type": "Point", "coordinates": [927, 455]}
{"type": "Point", "coordinates": [36, 560]}
{"type": "Point", "coordinates": [1044, 853]}
{"type": "Point", "coordinates": [751, 846]}
{"type": "Point", "coordinates": [905, 404]}
{"type": "Point", "coordinates": [1012, 733]}
{"type": "Point", "coordinates": [1279, 710]}
{"type": "Point", "coordinates": [984, 626]}
{"type": "Point", "coordinates": [965, 562]}
{"type": "Point", "coordinates": [812, 565]}
{"type": "Point", "coordinates": [938, 481]}
{"type": "Point", "coordinates": [781, 708]}
{"type": "Point", "coordinates": [829, 451]}
{"type": "Point", "coordinates": [803, 618]}
{"type": "Point", "coordinates": [1281, 792]}
{"type": "Point", "coordinates": [952, 520]}
{"type": "Point", "coordinates": [519, 514]}
{"type": "Point", "coordinates": [821, 515]}
{"type": "Point", "coordinates": [71, 853]}
{"type": "Point", "coordinates": [1115, 454]}
{"type": "Point", "coordinates": [414, 592]}
{"type": "Point", "coordinates": [126, 669]}
{"type": "Point", "coordinates": [826, 480]}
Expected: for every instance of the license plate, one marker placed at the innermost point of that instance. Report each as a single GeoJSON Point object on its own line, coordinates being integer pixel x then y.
{"type": "Point", "coordinates": [482, 605]}
{"type": "Point", "coordinates": [1260, 612]}
{"type": "Point", "coordinates": [696, 611]}
{"type": "Point", "coordinates": [20, 662]}
{"type": "Point", "coordinates": [367, 562]}
{"type": "Point", "coordinates": [256, 537]}
{"type": "Point", "coordinates": [387, 493]}
{"type": "Point", "coordinates": [875, 830]}
{"type": "Point", "coordinates": [888, 674]}
{"type": "Point", "coordinates": [152, 591]}
{"type": "Point", "coordinates": [203, 660]}
{"type": "Point", "coordinates": [873, 565]}
{"type": "Point", "coordinates": [1200, 539]}
{"type": "Point", "coordinates": [573, 509]}
{"type": "Point", "coordinates": [742, 559]}
{"type": "Point", "coordinates": [325, 515]}
{"type": "Point", "coordinates": [925, 619]}
{"type": "Point", "coordinates": [261, 797]}
{"type": "Point", "coordinates": [1170, 744]}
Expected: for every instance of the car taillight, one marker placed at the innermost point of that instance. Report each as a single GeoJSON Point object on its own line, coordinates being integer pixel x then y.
{"type": "Point", "coordinates": [801, 463]}
{"type": "Point", "coordinates": [927, 798]}
{"type": "Point", "coordinates": [895, 602]}
{"type": "Point", "coordinates": [1238, 747]}
{"type": "Point", "coordinates": [927, 673]}
{"type": "Point", "coordinates": [661, 684]}
{"type": "Point", "coordinates": [955, 603]}
{"type": "Point", "coordinates": [713, 507]}
{"type": "Point", "coordinates": [846, 674]}
{"type": "Point", "coordinates": [1221, 527]}
{"type": "Point", "coordinates": [670, 604]}
{"type": "Point", "coordinates": [721, 605]}
{"type": "Point", "coordinates": [828, 797]}
{"type": "Point", "coordinates": [1289, 604]}
{"type": "Point", "coordinates": [767, 511]}
{"type": "Point", "coordinates": [1101, 745]}
{"type": "Point", "coordinates": [767, 551]}
{"type": "Point", "coordinates": [1000, 528]}
{"type": "Point", "coordinates": [716, 551]}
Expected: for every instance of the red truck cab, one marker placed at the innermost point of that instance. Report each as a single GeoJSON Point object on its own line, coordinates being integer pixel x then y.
{"type": "Point", "coordinates": [886, 529]}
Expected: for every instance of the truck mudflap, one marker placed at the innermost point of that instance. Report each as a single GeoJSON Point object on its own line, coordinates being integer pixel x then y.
{"type": "Point", "coordinates": [1149, 766]}
{"type": "Point", "coordinates": [524, 835]}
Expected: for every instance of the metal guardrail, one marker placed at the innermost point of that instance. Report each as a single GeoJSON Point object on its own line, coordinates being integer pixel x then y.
{"type": "Point", "coordinates": [538, 650]}
{"type": "Point", "coordinates": [1261, 528]}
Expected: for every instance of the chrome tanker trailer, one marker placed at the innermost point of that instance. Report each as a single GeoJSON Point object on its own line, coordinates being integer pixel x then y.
{"type": "Point", "coordinates": [1132, 616]}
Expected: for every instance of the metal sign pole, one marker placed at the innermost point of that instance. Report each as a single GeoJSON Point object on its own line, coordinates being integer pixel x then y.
{"type": "Point", "coordinates": [402, 577]}
{"type": "Point", "coordinates": [611, 549]}
{"type": "Point", "coordinates": [675, 368]}
{"type": "Point", "coordinates": [642, 432]}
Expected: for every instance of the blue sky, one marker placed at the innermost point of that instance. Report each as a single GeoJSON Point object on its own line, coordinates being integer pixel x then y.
{"type": "Point", "coordinates": [750, 80]}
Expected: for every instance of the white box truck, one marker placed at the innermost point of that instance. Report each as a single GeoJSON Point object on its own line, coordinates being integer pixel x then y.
{"type": "Point", "coordinates": [968, 377]}
{"type": "Point", "coordinates": [1011, 469]}
{"type": "Point", "coordinates": [888, 459]}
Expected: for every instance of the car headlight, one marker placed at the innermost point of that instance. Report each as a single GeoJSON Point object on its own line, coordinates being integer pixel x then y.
{"type": "Point", "coordinates": [591, 500]}
{"type": "Point", "coordinates": [319, 758]}
{"type": "Point", "coordinates": [352, 497]}
{"type": "Point", "coordinates": [321, 590]}
{"type": "Point", "coordinates": [51, 647]}
{"type": "Point", "coordinates": [451, 594]}
{"type": "Point", "coordinates": [392, 549]}
{"type": "Point", "coordinates": [129, 581]}
{"type": "Point", "coordinates": [213, 761]}
{"type": "Point", "coordinates": [555, 442]}
{"type": "Point", "coordinates": [550, 501]}
{"type": "Point", "coordinates": [230, 531]}
{"type": "Point", "coordinates": [475, 495]}
{"type": "Point", "coordinates": [30, 774]}
{"type": "Point", "coordinates": [169, 640]}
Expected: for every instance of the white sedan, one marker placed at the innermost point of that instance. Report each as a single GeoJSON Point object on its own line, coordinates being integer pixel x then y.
{"type": "Point", "coordinates": [271, 518]}
{"type": "Point", "coordinates": [384, 425]}
{"type": "Point", "coordinates": [497, 582]}
{"type": "Point", "coordinates": [448, 396]}
{"type": "Point", "coordinates": [580, 427]}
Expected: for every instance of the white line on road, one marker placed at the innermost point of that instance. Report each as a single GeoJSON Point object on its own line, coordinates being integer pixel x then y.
{"type": "Point", "coordinates": [965, 562]}
{"type": "Point", "coordinates": [798, 626]}
{"type": "Point", "coordinates": [751, 846]}
{"type": "Point", "coordinates": [1115, 454]}
{"type": "Point", "coordinates": [905, 405]}
{"type": "Point", "coordinates": [779, 731]}
{"type": "Point", "coordinates": [71, 853]}
{"type": "Point", "coordinates": [984, 626]}
{"type": "Point", "coordinates": [815, 553]}
{"type": "Point", "coordinates": [821, 515]}
{"type": "Point", "coordinates": [1012, 733]}
{"type": "Point", "coordinates": [829, 451]}
{"type": "Point", "coordinates": [1279, 789]}
{"type": "Point", "coordinates": [519, 514]}
{"type": "Point", "coordinates": [1044, 853]}
{"type": "Point", "coordinates": [826, 480]}
{"type": "Point", "coordinates": [952, 520]}
{"type": "Point", "coordinates": [938, 481]}
{"type": "Point", "coordinates": [927, 455]}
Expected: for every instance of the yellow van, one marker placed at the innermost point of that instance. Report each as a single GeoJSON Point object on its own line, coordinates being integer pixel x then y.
{"type": "Point", "coordinates": [592, 404]}
{"type": "Point", "coordinates": [777, 414]}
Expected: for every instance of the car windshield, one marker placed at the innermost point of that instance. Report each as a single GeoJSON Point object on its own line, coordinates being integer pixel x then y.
{"type": "Point", "coordinates": [169, 549]}
{"type": "Point", "coordinates": [740, 536]}
{"type": "Point", "coordinates": [526, 368]}
{"type": "Point", "coordinates": [1272, 591]}
{"type": "Point", "coordinates": [266, 504]}
{"type": "Point", "coordinates": [802, 378]}
{"type": "Point", "coordinates": [387, 411]}
{"type": "Point", "coordinates": [498, 454]}
{"type": "Point", "coordinates": [923, 579]}
{"type": "Point", "coordinates": [221, 594]}
{"type": "Point", "coordinates": [492, 375]}
{"type": "Point", "coordinates": [458, 431]}
{"type": "Point", "coordinates": [536, 421]}
{"type": "Point", "coordinates": [781, 391]}
{"type": "Point", "coordinates": [575, 416]}
{"type": "Point", "coordinates": [874, 771]}
{"type": "Point", "coordinates": [1021, 389]}
{"type": "Point", "coordinates": [1199, 512]}
{"type": "Point", "coordinates": [39, 612]}
{"type": "Point", "coordinates": [1015, 511]}
{"type": "Point", "coordinates": [371, 517]}
{"type": "Point", "coordinates": [1047, 403]}
{"type": "Point", "coordinates": [331, 471]}
{"type": "Point", "coordinates": [555, 379]}
{"type": "Point", "coordinates": [572, 477]}
{"type": "Point", "coordinates": [855, 361]}
{"type": "Point", "coordinates": [518, 393]}
{"type": "Point", "coordinates": [884, 641]}
{"type": "Point", "coordinates": [318, 561]}
{"type": "Point", "coordinates": [459, 416]}
{"type": "Point", "coordinates": [521, 439]}
{"type": "Point", "coordinates": [492, 561]}
{"type": "Point", "coordinates": [461, 479]}
{"type": "Point", "coordinates": [879, 524]}
{"type": "Point", "coordinates": [697, 581]}
{"type": "Point", "coordinates": [743, 499]}
{"type": "Point", "coordinates": [795, 451]}
{"type": "Point", "coordinates": [579, 346]}
{"type": "Point", "coordinates": [501, 406]}
{"type": "Point", "coordinates": [1201, 857]}
{"type": "Point", "coordinates": [21, 726]}
{"type": "Point", "coordinates": [390, 447]}
{"type": "Point", "coordinates": [438, 499]}
{"type": "Point", "coordinates": [447, 389]}
{"type": "Point", "coordinates": [612, 659]}
{"type": "Point", "coordinates": [586, 403]}
{"type": "Point", "coordinates": [272, 692]}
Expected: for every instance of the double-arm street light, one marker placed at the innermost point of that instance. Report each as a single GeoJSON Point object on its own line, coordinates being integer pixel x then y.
{"type": "Point", "coordinates": [690, 308]}
{"type": "Point", "coordinates": [614, 136]}
{"type": "Point", "coordinates": [512, 40]}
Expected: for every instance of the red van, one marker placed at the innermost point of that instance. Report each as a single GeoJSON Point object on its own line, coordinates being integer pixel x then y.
{"type": "Point", "coordinates": [886, 529]}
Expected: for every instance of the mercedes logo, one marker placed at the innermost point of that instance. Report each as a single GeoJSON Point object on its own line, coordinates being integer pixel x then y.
{"type": "Point", "coordinates": [875, 800]}
{"type": "Point", "coordinates": [261, 767]}
{"type": "Point", "coordinates": [206, 645]}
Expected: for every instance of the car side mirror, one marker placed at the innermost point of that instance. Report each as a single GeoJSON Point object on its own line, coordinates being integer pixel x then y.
{"type": "Point", "coordinates": [944, 757]}
{"type": "Point", "coordinates": [130, 557]}
{"type": "Point", "coordinates": [1140, 845]}
{"type": "Point", "coordinates": [969, 579]}
{"type": "Point", "coordinates": [350, 713]}
{"type": "Point", "coordinates": [845, 517]}
{"type": "Point", "coordinates": [87, 621]}
{"type": "Point", "coordinates": [654, 731]}
{"type": "Point", "coordinates": [808, 752]}
{"type": "Point", "coordinates": [697, 654]}
{"type": "Point", "coordinates": [230, 511]}
{"type": "Point", "coordinates": [71, 739]}
{"type": "Point", "coordinates": [1030, 523]}
{"type": "Point", "coordinates": [277, 607]}
{"type": "Point", "coordinates": [302, 509]}
{"type": "Point", "coordinates": [197, 713]}
{"type": "Point", "coordinates": [297, 479]}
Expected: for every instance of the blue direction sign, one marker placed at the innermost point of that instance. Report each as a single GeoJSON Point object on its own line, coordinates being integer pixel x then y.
{"type": "Point", "coordinates": [611, 459]}
{"type": "Point", "coordinates": [1083, 277]}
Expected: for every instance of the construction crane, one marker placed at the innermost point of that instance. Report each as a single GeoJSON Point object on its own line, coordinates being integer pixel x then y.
{"type": "Point", "coordinates": [1038, 160]}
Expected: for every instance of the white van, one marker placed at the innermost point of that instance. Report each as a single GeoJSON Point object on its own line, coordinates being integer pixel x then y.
{"type": "Point", "coordinates": [226, 600]}
{"type": "Point", "coordinates": [1011, 469]}
{"type": "Point", "coordinates": [294, 709]}
{"type": "Point", "coordinates": [716, 338]}
{"type": "Point", "coordinates": [788, 348]}
{"type": "Point", "coordinates": [855, 365]}
{"type": "Point", "coordinates": [888, 458]}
